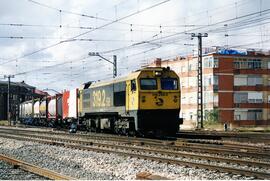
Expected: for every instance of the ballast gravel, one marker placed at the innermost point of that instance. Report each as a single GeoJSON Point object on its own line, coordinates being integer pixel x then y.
{"type": "Point", "coordinates": [8, 172]}
{"type": "Point", "coordinates": [81, 164]}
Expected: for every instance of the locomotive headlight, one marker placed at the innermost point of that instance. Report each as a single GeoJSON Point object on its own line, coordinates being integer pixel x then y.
{"type": "Point", "coordinates": [143, 99]}
{"type": "Point", "coordinates": [158, 73]}
{"type": "Point", "coordinates": [175, 99]}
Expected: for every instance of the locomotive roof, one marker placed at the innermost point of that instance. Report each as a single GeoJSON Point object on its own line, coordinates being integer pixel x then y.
{"type": "Point", "coordinates": [116, 80]}
{"type": "Point", "coordinates": [131, 75]}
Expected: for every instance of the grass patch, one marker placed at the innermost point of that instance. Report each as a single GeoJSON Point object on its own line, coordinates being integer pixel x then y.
{"type": "Point", "coordinates": [253, 129]}
{"type": "Point", "coordinates": [214, 126]}
{"type": "Point", "coordinates": [4, 123]}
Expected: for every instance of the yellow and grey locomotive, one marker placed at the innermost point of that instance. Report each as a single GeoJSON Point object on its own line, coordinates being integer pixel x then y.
{"type": "Point", "coordinates": [145, 102]}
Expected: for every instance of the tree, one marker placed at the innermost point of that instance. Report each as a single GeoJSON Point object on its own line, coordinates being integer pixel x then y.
{"type": "Point", "coordinates": [211, 116]}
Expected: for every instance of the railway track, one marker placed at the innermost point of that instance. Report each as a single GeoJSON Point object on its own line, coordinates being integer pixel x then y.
{"type": "Point", "coordinates": [185, 145]}
{"type": "Point", "coordinates": [244, 137]}
{"type": "Point", "coordinates": [44, 173]}
{"type": "Point", "coordinates": [10, 172]}
{"type": "Point", "coordinates": [159, 155]}
{"type": "Point", "coordinates": [171, 141]}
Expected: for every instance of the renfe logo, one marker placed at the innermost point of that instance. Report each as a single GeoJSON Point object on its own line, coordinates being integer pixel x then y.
{"type": "Point", "coordinates": [159, 101]}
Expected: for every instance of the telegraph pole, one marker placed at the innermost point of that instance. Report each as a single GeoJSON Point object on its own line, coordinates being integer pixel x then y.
{"type": "Point", "coordinates": [199, 80]}
{"type": "Point", "coordinates": [114, 66]}
{"type": "Point", "coordinates": [114, 62]}
{"type": "Point", "coordinates": [8, 97]}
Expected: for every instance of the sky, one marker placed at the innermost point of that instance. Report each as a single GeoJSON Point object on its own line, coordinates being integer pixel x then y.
{"type": "Point", "coordinates": [46, 42]}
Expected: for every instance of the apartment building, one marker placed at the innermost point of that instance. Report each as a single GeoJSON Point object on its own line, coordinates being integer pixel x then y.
{"type": "Point", "coordinates": [236, 85]}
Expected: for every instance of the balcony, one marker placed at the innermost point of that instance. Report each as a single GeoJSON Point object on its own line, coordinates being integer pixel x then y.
{"type": "Point", "coordinates": [258, 87]}
{"type": "Point", "coordinates": [215, 88]}
{"type": "Point", "coordinates": [251, 105]}
{"type": "Point", "coordinates": [250, 122]}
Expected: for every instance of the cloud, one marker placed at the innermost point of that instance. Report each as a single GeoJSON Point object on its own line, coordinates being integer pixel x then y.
{"type": "Point", "coordinates": [141, 37]}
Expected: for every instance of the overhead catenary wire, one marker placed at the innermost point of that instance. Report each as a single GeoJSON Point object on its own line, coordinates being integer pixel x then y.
{"type": "Point", "coordinates": [44, 25]}
{"type": "Point", "coordinates": [68, 12]}
{"type": "Point", "coordinates": [52, 66]}
{"type": "Point", "coordinates": [211, 28]}
{"type": "Point", "coordinates": [150, 50]}
{"type": "Point", "coordinates": [191, 30]}
{"type": "Point", "coordinates": [57, 38]}
{"type": "Point", "coordinates": [84, 33]}
{"type": "Point", "coordinates": [106, 19]}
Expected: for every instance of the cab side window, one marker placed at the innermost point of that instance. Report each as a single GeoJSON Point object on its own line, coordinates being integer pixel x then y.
{"type": "Point", "coordinates": [133, 85]}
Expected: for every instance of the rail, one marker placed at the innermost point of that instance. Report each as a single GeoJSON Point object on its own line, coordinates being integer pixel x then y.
{"type": "Point", "coordinates": [259, 175]}
{"type": "Point", "coordinates": [34, 169]}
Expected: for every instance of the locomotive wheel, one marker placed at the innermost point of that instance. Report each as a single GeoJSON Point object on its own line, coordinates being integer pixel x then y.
{"type": "Point", "coordinates": [116, 130]}
{"type": "Point", "coordinates": [131, 133]}
{"type": "Point", "coordinates": [124, 131]}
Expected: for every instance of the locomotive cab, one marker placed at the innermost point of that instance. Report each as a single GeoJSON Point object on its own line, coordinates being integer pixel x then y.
{"type": "Point", "coordinates": [153, 99]}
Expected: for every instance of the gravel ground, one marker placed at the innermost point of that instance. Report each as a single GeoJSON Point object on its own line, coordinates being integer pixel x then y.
{"type": "Point", "coordinates": [91, 165]}
{"type": "Point", "coordinates": [7, 172]}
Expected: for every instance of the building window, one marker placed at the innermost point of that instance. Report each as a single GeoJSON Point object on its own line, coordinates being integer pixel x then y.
{"type": "Point", "coordinates": [254, 80]}
{"type": "Point", "coordinates": [215, 99]}
{"type": "Point", "coordinates": [248, 80]}
{"type": "Point", "coordinates": [190, 67]}
{"type": "Point", "coordinates": [215, 81]}
{"type": "Point", "coordinates": [207, 80]}
{"type": "Point", "coordinates": [251, 97]}
{"type": "Point", "coordinates": [240, 80]}
{"type": "Point", "coordinates": [237, 65]}
{"type": "Point", "coordinates": [255, 97]}
{"type": "Point", "coordinates": [215, 63]}
{"type": "Point", "coordinates": [240, 97]}
{"type": "Point", "coordinates": [190, 115]}
{"type": "Point", "coordinates": [208, 97]}
{"type": "Point", "coordinates": [208, 62]}
{"type": "Point", "coordinates": [242, 63]}
{"type": "Point", "coordinates": [240, 115]}
{"type": "Point", "coordinates": [248, 115]}
{"type": "Point", "coordinates": [254, 115]}
{"type": "Point", "coordinates": [237, 117]}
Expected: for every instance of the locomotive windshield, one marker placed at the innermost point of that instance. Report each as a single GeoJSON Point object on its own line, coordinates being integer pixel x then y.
{"type": "Point", "coordinates": [148, 84]}
{"type": "Point", "coordinates": [169, 84]}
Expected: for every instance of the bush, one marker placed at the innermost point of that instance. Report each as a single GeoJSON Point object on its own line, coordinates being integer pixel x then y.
{"type": "Point", "coordinates": [211, 117]}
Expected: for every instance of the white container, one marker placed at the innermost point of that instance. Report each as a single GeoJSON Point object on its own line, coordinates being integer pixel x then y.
{"type": "Point", "coordinates": [28, 109]}
{"type": "Point", "coordinates": [36, 109]}
{"type": "Point", "coordinates": [52, 107]}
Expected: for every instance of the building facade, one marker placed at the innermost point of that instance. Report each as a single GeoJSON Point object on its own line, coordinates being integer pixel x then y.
{"type": "Point", "coordinates": [19, 92]}
{"type": "Point", "coordinates": [235, 86]}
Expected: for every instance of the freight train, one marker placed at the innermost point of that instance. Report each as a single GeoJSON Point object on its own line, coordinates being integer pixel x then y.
{"type": "Point", "coordinates": [145, 102]}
